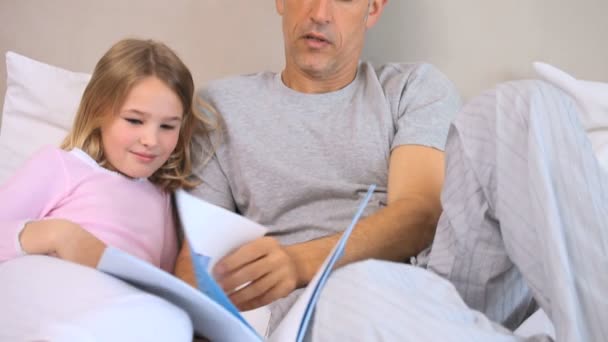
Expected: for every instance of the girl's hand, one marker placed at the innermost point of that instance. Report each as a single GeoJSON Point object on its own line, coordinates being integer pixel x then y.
{"type": "Point", "coordinates": [62, 238]}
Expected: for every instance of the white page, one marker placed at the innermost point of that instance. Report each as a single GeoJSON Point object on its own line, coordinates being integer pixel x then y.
{"type": "Point", "coordinates": [259, 319]}
{"type": "Point", "coordinates": [214, 231]}
{"type": "Point", "coordinates": [208, 317]}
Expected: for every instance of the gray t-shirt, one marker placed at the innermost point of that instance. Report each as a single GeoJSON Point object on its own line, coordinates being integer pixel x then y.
{"type": "Point", "coordinates": [300, 163]}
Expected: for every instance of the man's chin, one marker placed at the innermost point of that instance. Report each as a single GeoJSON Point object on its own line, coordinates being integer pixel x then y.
{"type": "Point", "coordinates": [316, 69]}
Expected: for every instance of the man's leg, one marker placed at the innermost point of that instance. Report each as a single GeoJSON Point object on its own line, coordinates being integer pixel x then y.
{"type": "Point", "coordinates": [387, 301]}
{"type": "Point", "coordinates": [525, 212]}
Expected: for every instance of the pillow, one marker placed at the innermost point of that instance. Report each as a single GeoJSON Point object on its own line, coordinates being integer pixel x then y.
{"type": "Point", "coordinates": [592, 99]}
{"type": "Point", "coordinates": [39, 106]}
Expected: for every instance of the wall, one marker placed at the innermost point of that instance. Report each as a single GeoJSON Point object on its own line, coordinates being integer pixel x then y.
{"type": "Point", "coordinates": [215, 38]}
{"type": "Point", "coordinates": [480, 42]}
{"type": "Point", "coordinates": [475, 42]}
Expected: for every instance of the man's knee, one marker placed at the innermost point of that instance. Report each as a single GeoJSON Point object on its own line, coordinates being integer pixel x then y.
{"type": "Point", "coordinates": [528, 92]}
{"type": "Point", "coordinates": [516, 101]}
{"type": "Point", "coordinates": [369, 271]}
{"type": "Point", "coordinates": [376, 276]}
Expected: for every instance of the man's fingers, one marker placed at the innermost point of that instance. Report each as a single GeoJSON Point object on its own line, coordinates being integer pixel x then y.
{"type": "Point", "coordinates": [246, 274]}
{"type": "Point", "coordinates": [255, 289]}
{"type": "Point", "coordinates": [274, 285]}
{"type": "Point", "coordinates": [279, 291]}
{"type": "Point", "coordinates": [264, 267]}
{"type": "Point", "coordinates": [244, 255]}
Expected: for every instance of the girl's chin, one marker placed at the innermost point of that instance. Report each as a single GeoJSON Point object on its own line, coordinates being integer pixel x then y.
{"type": "Point", "coordinates": [136, 174]}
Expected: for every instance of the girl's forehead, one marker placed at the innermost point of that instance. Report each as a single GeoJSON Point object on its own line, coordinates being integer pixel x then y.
{"type": "Point", "coordinates": [152, 97]}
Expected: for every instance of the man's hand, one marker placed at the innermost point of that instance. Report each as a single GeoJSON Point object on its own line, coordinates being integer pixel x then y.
{"type": "Point", "coordinates": [266, 268]}
{"type": "Point", "coordinates": [64, 239]}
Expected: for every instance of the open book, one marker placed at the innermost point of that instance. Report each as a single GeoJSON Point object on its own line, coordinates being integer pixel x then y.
{"type": "Point", "coordinates": [212, 233]}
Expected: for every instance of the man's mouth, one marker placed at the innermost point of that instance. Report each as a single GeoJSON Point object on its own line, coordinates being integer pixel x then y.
{"type": "Point", "coordinates": [316, 38]}
{"type": "Point", "coordinates": [316, 42]}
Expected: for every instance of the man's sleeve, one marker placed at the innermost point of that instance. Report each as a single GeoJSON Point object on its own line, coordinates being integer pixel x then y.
{"type": "Point", "coordinates": [215, 186]}
{"type": "Point", "coordinates": [428, 102]}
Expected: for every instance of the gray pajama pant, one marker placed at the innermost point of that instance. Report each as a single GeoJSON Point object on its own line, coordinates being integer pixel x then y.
{"type": "Point", "coordinates": [525, 222]}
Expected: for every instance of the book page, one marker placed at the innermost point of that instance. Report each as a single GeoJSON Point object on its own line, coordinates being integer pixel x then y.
{"type": "Point", "coordinates": [213, 231]}
{"type": "Point", "coordinates": [294, 324]}
{"type": "Point", "coordinates": [208, 317]}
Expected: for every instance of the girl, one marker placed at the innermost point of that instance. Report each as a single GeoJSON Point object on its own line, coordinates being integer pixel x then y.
{"type": "Point", "coordinates": [130, 146]}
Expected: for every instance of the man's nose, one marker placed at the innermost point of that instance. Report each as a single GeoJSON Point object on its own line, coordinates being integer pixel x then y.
{"type": "Point", "coordinates": [321, 11]}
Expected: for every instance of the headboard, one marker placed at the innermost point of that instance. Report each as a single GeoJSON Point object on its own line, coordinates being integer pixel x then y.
{"type": "Point", "coordinates": [475, 42]}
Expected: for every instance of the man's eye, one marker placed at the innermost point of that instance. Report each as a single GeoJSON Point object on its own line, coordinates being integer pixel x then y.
{"type": "Point", "coordinates": [133, 121]}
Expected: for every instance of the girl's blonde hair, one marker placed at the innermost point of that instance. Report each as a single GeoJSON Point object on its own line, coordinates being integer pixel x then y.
{"type": "Point", "coordinates": [126, 63]}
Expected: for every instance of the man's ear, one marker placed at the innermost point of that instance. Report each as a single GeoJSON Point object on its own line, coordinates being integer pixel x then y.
{"type": "Point", "coordinates": [280, 4]}
{"type": "Point", "coordinates": [375, 11]}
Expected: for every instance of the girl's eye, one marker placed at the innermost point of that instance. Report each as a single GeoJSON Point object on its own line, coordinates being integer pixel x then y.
{"type": "Point", "coordinates": [134, 121]}
{"type": "Point", "coordinates": [167, 127]}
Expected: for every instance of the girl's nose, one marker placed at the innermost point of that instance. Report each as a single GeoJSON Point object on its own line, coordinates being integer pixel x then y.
{"type": "Point", "coordinates": [149, 138]}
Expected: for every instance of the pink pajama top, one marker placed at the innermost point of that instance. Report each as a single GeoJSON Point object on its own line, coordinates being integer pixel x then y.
{"type": "Point", "coordinates": [130, 214]}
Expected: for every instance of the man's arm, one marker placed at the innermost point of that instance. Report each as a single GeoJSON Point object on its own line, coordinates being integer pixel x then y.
{"type": "Point", "coordinates": [402, 229]}
{"type": "Point", "coordinates": [183, 266]}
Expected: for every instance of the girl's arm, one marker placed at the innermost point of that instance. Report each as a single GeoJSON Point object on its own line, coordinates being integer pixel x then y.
{"type": "Point", "coordinates": [28, 195]}
{"type": "Point", "coordinates": [62, 238]}
{"type": "Point", "coordinates": [26, 198]}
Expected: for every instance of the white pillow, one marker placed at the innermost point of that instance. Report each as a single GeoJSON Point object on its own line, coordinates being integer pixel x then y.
{"type": "Point", "coordinates": [39, 107]}
{"type": "Point", "coordinates": [592, 99]}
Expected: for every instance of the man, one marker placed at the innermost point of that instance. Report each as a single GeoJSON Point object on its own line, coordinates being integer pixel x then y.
{"type": "Point", "coordinates": [301, 147]}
